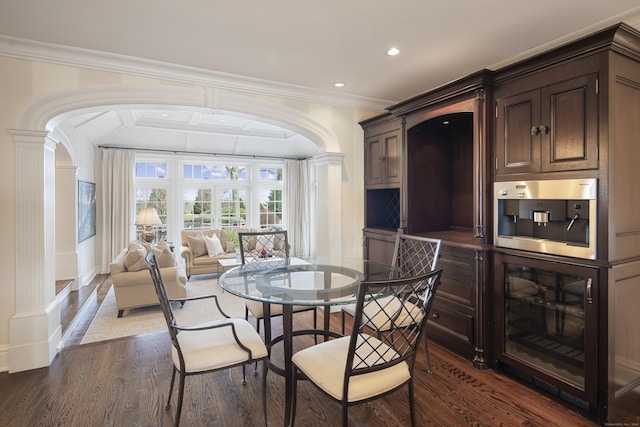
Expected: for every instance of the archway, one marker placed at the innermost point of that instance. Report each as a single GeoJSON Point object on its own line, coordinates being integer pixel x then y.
{"type": "Point", "coordinates": [39, 124]}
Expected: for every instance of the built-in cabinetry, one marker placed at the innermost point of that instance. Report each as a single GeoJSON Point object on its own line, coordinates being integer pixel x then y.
{"type": "Point", "coordinates": [383, 173]}
{"type": "Point", "coordinates": [442, 194]}
{"type": "Point", "coordinates": [383, 145]}
{"type": "Point", "coordinates": [573, 113]}
{"type": "Point", "coordinates": [548, 128]}
{"type": "Point", "coordinates": [560, 322]}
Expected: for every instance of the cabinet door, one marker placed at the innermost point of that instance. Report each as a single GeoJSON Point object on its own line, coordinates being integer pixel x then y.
{"type": "Point", "coordinates": [569, 132]}
{"type": "Point", "coordinates": [517, 143]}
{"type": "Point", "coordinates": [383, 158]}
{"type": "Point", "coordinates": [379, 247]}
{"type": "Point", "coordinates": [374, 154]}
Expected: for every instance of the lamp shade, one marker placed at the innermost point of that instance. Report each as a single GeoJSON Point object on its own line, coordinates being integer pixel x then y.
{"type": "Point", "coordinates": [148, 216]}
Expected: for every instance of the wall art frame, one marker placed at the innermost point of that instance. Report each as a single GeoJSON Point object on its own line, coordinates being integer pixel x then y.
{"type": "Point", "coordinates": [86, 210]}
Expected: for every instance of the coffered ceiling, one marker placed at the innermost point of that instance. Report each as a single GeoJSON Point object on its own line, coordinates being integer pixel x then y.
{"type": "Point", "coordinates": [299, 47]}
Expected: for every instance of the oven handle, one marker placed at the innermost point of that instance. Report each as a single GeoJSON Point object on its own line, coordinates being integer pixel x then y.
{"type": "Point", "coordinates": [589, 297]}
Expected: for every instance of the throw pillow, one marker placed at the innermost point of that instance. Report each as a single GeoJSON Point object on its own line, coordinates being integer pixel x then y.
{"type": "Point", "coordinates": [214, 246]}
{"type": "Point", "coordinates": [197, 245]}
{"type": "Point", "coordinates": [164, 255]}
{"type": "Point", "coordinates": [264, 242]}
{"type": "Point", "coordinates": [134, 260]}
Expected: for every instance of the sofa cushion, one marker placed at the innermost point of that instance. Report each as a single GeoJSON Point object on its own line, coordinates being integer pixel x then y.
{"type": "Point", "coordinates": [164, 255]}
{"type": "Point", "coordinates": [117, 265]}
{"type": "Point", "coordinates": [197, 245]}
{"type": "Point", "coordinates": [134, 260]}
{"type": "Point", "coordinates": [214, 246]}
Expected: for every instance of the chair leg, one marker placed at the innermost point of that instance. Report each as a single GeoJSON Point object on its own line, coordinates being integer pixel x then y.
{"type": "Point", "coordinates": [173, 380]}
{"type": "Point", "coordinates": [264, 390]}
{"type": "Point", "coordinates": [345, 414]}
{"type": "Point", "coordinates": [294, 396]}
{"type": "Point", "coordinates": [343, 315]}
{"type": "Point", "coordinates": [255, 366]}
{"type": "Point", "coordinates": [120, 313]}
{"type": "Point", "coordinates": [426, 352]}
{"type": "Point", "coordinates": [244, 374]}
{"type": "Point", "coordinates": [412, 409]}
{"type": "Point", "coordinates": [180, 399]}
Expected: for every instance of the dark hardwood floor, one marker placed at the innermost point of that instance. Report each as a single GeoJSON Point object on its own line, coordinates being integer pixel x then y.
{"type": "Point", "coordinates": [125, 382]}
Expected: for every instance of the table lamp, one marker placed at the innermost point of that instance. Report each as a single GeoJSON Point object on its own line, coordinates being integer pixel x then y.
{"type": "Point", "coordinates": [148, 217]}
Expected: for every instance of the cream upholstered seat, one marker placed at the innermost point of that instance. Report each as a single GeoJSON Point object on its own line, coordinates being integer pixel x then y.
{"type": "Point", "coordinates": [370, 362]}
{"type": "Point", "coordinates": [206, 347]}
{"type": "Point", "coordinates": [413, 255]}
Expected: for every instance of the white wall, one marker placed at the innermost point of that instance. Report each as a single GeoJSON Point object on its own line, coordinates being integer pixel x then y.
{"type": "Point", "coordinates": [33, 81]}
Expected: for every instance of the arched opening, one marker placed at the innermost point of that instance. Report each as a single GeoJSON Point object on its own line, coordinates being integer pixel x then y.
{"type": "Point", "coordinates": [50, 120]}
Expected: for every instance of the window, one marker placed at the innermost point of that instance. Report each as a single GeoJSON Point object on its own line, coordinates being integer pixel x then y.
{"type": "Point", "coordinates": [198, 212]}
{"type": "Point", "coordinates": [151, 170]}
{"type": "Point", "coordinates": [207, 192]}
{"type": "Point", "coordinates": [271, 197]}
{"type": "Point", "coordinates": [233, 209]}
{"type": "Point", "coordinates": [214, 172]}
{"type": "Point", "coordinates": [271, 208]}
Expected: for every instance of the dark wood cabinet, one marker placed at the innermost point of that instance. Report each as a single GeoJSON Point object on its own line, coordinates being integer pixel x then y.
{"type": "Point", "coordinates": [554, 128]}
{"type": "Point", "coordinates": [455, 320]}
{"type": "Point", "coordinates": [571, 112]}
{"type": "Point", "coordinates": [379, 245]}
{"type": "Point", "coordinates": [383, 151]}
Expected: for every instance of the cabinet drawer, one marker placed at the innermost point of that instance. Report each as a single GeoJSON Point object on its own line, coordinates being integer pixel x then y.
{"type": "Point", "coordinates": [458, 276]}
{"type": "Point", "coordinates": [451, 328]}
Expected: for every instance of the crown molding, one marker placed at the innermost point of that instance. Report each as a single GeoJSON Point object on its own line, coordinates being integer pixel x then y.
{"type": "Point", "coordinates": [104, 61]}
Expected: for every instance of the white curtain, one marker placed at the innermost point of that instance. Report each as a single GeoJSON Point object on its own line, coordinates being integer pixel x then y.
{"type": "Point", "coordinates": [295, 194]}
{"type": "Point", "coordinates": [118, 202]}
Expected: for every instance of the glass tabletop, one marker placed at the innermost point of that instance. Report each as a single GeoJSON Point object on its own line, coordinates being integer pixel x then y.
{"type": "Point", "coordinates": [303, 281]}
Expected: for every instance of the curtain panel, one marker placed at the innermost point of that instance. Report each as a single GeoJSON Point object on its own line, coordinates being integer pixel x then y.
{"type": "Point", "coordinates": [118, 194]}
{"type": "Point", "coordinates": [296, 196]}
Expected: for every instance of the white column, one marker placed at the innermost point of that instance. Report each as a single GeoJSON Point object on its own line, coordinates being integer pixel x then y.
{"type": "Point", "coordinates": [66, 203]}
{"type": "Point", "coordinates": [326, 204]}
{"type": "Point", "coordinates": [34, 329]}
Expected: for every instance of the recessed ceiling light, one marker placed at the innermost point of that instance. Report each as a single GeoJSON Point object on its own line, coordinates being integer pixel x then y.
{"type": "Point", "coordinates": [393, 51]}
{"type": "Point", "coordinates": [338, 84]}
{"type": "Point", "coordinates": [164, 115]}
{"type": "Point", "coordinates": [446, 122]}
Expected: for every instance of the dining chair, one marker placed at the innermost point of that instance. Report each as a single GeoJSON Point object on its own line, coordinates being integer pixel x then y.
{"type": "Point", "coordinates": [413, 255]}
{"type": "Point", "coordinates": [372, 361]}
{"type": "Point", "coordinates": [260, 247]}
{"type": "Point", "coordinates": [206, 347]}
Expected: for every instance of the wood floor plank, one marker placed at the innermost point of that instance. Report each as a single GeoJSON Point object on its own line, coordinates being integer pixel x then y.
{"type": "Point", "coordinates": [125, 382]}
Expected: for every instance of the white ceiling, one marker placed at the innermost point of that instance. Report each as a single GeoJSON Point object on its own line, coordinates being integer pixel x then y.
{"type": "Point", "coordinates": [303, 45]}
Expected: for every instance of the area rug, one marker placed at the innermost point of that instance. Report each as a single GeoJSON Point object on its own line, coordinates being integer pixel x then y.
{"type": "Point", "coordinates": [106, 325]}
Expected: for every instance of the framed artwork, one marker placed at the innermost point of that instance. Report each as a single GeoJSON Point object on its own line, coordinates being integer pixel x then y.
{"type": "Point", "coordinates": [86, 210]}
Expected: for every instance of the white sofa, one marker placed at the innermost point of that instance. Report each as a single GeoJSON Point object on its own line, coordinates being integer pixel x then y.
{"type": "Point", "coordinates": [132, 284]}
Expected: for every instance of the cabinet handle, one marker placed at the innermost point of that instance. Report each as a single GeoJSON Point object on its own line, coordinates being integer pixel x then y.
{"type": "Point", "coordinates": [589, 297]}
{"type": "Point", "coordinates": [539, 130]}
{"type": "Point", "coordinates": [435, 315]}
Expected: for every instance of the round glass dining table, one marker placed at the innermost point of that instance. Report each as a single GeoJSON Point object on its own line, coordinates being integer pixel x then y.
{"type": "Point", "coordinates": [289, 282]}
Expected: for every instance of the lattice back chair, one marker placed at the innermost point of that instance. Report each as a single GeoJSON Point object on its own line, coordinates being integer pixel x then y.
{"type": "Point", "coordinates": [261, 247]}
{"type": "Point", "coordinates": [372, 362]}
{"type": "Point", "coordinates": [206, 347]}
{"type": "Point", "coordinates": [413, 255]}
